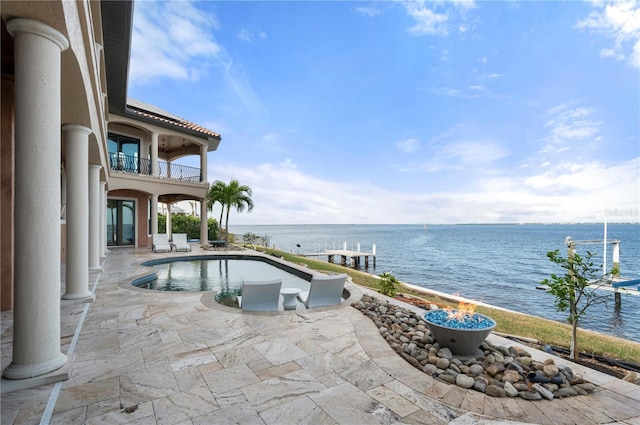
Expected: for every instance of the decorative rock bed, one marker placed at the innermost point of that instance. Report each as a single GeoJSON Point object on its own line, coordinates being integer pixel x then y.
{"type": "Point", "coordinates": [499, 371]}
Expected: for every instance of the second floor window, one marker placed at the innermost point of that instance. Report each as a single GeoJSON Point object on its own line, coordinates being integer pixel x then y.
{"type": "Point", "coordinates": [124, 153]}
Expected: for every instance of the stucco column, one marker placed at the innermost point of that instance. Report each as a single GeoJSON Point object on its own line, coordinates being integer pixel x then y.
{"type": "Point", "coordinates": [204, 225]}
{"type": "Point", "coordinates": [94, 217]}
{"type": "Point", "coordinates": [203, 163]}
{"type": "Point", "coordinates": [154, 154]}
{"type": "Point", "coordinates": [168, 224]}
{"type": "Point", "coordinates": [36, 314]}
{"type": "Point", "coordinates": [76, 138]}
{"type": "Point", "coordinates": [103, 220]}
{"type": "Point", "coordinates": [154, 214]}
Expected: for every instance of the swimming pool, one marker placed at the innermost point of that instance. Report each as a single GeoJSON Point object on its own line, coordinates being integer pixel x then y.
{"type": "Point", "coordinates": [223, 274]}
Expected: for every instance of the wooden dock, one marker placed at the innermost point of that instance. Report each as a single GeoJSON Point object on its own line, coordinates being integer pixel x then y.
{"type": "Point", "coordinates": [348, 258]}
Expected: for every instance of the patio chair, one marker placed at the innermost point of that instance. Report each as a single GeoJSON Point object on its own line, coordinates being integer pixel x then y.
{"type": "Point", "coordinates": [324, 290]}
{"type": "Point", "coordinates": [160, 243]}
{"type": "Point", "coordinates": [260, 295]}
{"type": "Point", "coordinates": [180, 242]}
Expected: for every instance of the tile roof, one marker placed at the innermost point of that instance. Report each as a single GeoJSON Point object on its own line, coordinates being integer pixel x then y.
{"type": "Point", "coordinates": [154, 113]}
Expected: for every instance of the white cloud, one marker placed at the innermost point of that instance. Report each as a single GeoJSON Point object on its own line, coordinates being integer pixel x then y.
{"type": "Point", "coordinates": [171, 40]}
{"type": "Point", "coordinates": [409, 145]}
{"type": "Point", "coordinates": [245, 35]}
{"type": "Point", "coordinates": [567, 124]}
{"type": "Point", "coordinates": [619, 21]}
{"type": "Point", "coordinates": [427, 21]}
{"type": "Point", "coordinates": [477, 155]}
{"type": "Point", "coordinates": [430, 22]}
{"type": "Point", "coordinates": [369, 11]}
{"type": "Point", "coordinates": [610, 53]}
{"type": "Point", "coordinates": [174, 40]}
{"type": "Point", "coordinates": [248, 36]}
{"type": "Point", "coordinates": [568, 192]}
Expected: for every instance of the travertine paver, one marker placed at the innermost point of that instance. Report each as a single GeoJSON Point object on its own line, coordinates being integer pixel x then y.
{"type": "Point", "coordinates": [149, 357]}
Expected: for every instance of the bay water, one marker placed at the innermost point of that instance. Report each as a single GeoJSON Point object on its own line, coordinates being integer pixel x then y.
{"type": "Point", "coordinates": [498, 264]}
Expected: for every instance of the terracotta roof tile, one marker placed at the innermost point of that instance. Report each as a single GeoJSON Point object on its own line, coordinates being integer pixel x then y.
{"type": "Point", "coordinates": [172, 119]}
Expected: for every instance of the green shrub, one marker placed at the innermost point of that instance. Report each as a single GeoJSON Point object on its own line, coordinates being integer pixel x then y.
{"type": "Point", "coordinates": [188, 224]}
{"type": "Point", "coordinates": [388, 284]}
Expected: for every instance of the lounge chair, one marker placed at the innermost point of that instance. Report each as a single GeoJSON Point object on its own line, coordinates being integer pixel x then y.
{"type": "Point", "coordinates": [160, 243]}
{"type": "Point", "coordinates": [324, 290]}
{"type": "Point", "coordinates": [180, 242]}
{"type": "Point", "coordinates": [260, 295]}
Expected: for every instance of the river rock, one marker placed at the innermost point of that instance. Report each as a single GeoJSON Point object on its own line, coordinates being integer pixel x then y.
{"type": "Point", "coordinates": [524, 361]}
{"type": "Point", "coordinates": [464, 381]}
{"type": "Point", "coordinates": [565, 392]}
{"type": "Point", "coordinates": [550, 370]}
{"type": "Point", "coordinates": [412, 361]}
{"type": "Point", "coordinates": [587, 386]}
{"type": "Point", "coordinates": [543, 391]}
{"type": "Point", "coordinates": [447, 378]}
{"type": "Point", "coordinates": [430, 369]}
{"type": "Point", "coordinates": [442, 363]}
{"type": "Point", "coordinates": [510, 390]}
{"type": "Point", "coordinates": [495, 391]}
{"type": "Point", "coordinates": [520, 386]}
{"type": "Point", "coordinates": [499, 371]}
{"type": "Point", "coordinates": [494, 368]}
{"type": "Point", "coordinates": [530, 395]}
{"type": "Point", "coordinates": [445, 353]}
{"type": "Point", "coordinates": [476, 369]}
{"type": "Point", "coordinates": [510, 376]}
{"type": "Point", "coordinates": [480, 386]}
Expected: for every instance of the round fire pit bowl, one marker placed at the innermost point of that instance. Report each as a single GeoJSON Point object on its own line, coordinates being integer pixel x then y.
{"type": "Point", "coordinates": [462, 336]}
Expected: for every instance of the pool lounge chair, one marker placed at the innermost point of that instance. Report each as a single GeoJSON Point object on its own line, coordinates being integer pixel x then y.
{"type": "Point", "coordinates": [324, 290]}
{"type": "Point", "coordinates": [160, 243]}
{"type": "Point", "coordinates": [260, 295]}
{"type": "Point", "coordinates": [180, 242]}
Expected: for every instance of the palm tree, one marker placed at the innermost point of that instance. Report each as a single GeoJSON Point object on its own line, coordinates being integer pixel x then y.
{"type": "Point", "coordinates": [215, 194]}
{"type": "Point", "coordinates": [237, 196]}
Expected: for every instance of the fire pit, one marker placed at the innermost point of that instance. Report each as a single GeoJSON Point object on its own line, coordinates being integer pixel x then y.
{"type": "Point", "coordinates": [460, 331]}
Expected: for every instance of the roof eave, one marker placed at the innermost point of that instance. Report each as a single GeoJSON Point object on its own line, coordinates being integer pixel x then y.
{"type": "Point", "coordinates": [117, 27]}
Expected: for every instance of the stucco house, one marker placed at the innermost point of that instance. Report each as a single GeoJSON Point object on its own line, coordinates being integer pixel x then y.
{"type": "Point", "coordinates": [82, 167]}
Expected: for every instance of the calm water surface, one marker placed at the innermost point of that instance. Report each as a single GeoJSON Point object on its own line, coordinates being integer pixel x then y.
{"type": "Point", "coordinates": [224, 276]}
{"type": "Point", "coordinates": [498, 264]}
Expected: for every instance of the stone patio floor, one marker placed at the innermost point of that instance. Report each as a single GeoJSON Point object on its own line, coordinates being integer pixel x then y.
{"type": "Point", "coordinates": [147, 357]}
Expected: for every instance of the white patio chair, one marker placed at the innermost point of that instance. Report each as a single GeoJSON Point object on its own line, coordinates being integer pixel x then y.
{"type": "Point", "coordinates": [180, 242]}
{"type": "Point", "coordinates": [324, 290]}
{"type": "Point", "coordinates": [260, 295]}
{"type": "Point", "coordinates": [160, 243]}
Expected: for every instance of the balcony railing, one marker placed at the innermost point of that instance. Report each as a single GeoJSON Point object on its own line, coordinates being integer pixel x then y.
{"type": "Point", "coordinates": [134, 165]}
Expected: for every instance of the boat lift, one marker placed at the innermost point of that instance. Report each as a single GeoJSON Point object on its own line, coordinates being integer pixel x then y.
{"type": "Point", "coordinates": [617, 282]}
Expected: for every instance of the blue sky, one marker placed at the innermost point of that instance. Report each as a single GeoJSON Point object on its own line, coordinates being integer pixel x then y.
{"type": "Point", "coordinates": [406, 111]}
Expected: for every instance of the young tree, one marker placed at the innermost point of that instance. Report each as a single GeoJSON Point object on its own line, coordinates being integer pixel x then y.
{"type": "Point", "coordinates": [576, 290]}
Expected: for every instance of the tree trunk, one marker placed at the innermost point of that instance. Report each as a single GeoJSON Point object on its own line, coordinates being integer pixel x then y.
{"type": "Point", "coordinates": [226, 236]}
{"type": "Point", "coordinates": [574, 341]}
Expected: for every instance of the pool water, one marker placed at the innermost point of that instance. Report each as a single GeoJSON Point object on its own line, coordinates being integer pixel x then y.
{"type": "Point", "coordinates": [225, 276]}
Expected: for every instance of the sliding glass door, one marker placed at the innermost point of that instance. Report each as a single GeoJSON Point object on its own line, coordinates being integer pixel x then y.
{"type": "Point", "coordinates": [121, 224]}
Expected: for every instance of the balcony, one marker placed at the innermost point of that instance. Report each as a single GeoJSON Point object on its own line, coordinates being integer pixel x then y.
{"type": "Point", "coordinates": [142, 166]}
